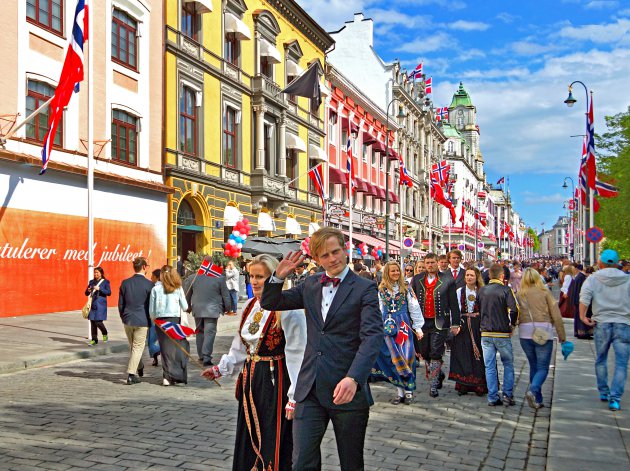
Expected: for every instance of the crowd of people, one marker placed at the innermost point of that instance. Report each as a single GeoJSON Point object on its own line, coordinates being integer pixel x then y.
{"type": "Point", "coordinates": [316, 332]}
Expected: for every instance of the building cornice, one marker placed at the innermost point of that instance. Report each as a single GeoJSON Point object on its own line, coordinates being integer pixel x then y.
{"type": "Point", "coordinates": [291, 11]}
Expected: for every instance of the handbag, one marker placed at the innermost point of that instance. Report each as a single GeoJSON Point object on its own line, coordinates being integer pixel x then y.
{"type": "Point", "coordinates": [88, 305]}
{"type": "Point", "coordinates": [540, 336]}
{"type": "Point", "coordinates": [390, 327]}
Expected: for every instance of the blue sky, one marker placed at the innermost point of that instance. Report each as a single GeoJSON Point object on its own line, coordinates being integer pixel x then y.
{"type": "Point", "coordinates": [516, 60]}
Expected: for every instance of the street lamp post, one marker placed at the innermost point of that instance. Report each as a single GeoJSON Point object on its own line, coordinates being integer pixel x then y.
{"type": "Point", "coordinates": [572, 215]}
{"type": "Point", "coordinates": [401, 115]}
{"type": "Point", "coordinates": [570, 101]}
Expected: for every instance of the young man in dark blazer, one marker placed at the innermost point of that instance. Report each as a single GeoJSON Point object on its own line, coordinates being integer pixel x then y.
{"type": "Point", "coordinates": [344, 337]}
{"type": "Point", "coordinates": [455, 270]}
{"type": "Point", "coordinates": [437, 296]}
{"type": "Point", "coordinates": [133, 307]}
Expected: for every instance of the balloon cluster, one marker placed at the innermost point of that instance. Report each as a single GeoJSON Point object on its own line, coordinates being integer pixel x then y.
{"type": "Point", "coordinates": [349, 248]}
{"type": "Point", "coordinates": [377, 252]}
{"type": "Point", "coordinates": [237, 239]}
{"type": "Point", "coordinates": [362, 249]}
{"type": "Point", "coordinates": [305, 246]}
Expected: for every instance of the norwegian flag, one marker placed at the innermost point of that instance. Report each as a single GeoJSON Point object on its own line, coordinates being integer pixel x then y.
{"type": "Point", "coordinates": [591, 168]}
{"type": "Point", "coordinates": [482, 217]}
{"type": "Point", "coordinates": [417, 72]}
{"type": "Point", "coordinates": [605, 190]}
{"type": "Point", "coordinates": [501, 181]}
{"type": "Point", "coordinates": [403, 333]}
{"type": "Point", "coordinates": [175, 331]}
{"type": "Point", "coordinates": [352, 185]}
{"type": "Point", "coordinates": [318, 181]}
{"type": "Point", "coordinates": [441, 114]}
{"type": "Point", "coordinates": [463, 214]}
{"type": "Point", "coordinates": [71, 75]}
{"type": "Point", "coordinates": [405, 179]}
{"type": "Point", "coordinates": [508, 230]}
{"type": "Point", "coordinates": [428, 86]}
{"type": "Point", "coordinates": [582, 179]}
{"type": "Point", "coordinates": [437, 193]}
{"type": "Point", "coordinates": [440, 171]}
{"type": "Point", "coordinates": [209, 270]}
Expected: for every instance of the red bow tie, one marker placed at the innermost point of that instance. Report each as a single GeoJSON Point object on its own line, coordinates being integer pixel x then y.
{"type": "Point", "coordinates": [326, 279]}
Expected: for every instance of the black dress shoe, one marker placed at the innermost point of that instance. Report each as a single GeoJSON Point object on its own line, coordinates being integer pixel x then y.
{"type": "Point", "coordinates": [141, 372]}
{"type": "Point", "coordinates": [498, 402]}
{"type": "Point", "coordinates": [441, 379]}
{"type": "Point", "coordinates": [155, 360]}
{"type": "Point", "coordinates": [133, 379]}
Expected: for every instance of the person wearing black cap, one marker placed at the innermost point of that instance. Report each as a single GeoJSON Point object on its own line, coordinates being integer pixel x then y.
{"type": "Point", "coordinates": [609, 291]}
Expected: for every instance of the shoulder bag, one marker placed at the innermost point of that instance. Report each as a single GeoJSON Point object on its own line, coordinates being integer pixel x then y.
{"type": "Point", "coordinates": [540, 336]}
{"type": "Point", "coordinates": [85, 311]}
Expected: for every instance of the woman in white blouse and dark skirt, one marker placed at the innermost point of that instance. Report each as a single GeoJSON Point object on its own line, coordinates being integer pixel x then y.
{"type": "Point", "coordinates": [467, 366]}
{"type": "Point", "coordinates": [267, 353]}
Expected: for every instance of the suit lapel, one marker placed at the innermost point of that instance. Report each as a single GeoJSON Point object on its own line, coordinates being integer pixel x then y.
{"type": "Point", "coordinates": [317, 300]}
{"type": "Point", "coordinates": [340, 296]}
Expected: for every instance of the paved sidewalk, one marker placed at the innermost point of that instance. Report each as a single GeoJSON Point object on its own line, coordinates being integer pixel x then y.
{"type": "Point", "coordinates": [584, 434]}
{"type": "Point", "coordinates": [48, 339]}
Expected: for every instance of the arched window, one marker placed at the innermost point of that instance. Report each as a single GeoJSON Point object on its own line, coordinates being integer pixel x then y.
{"type": "Point", "coordinates": [185, 214]}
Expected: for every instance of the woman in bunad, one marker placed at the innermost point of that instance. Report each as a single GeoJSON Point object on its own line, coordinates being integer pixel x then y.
{"type": "Point", "coordinates": [267, 353]}
{"type": "Point", "coordinates": [467, 367]}
{"type": "Point", "coordinates": [402, 317]}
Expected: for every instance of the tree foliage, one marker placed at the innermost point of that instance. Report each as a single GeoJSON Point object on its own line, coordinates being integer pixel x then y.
{"type": "Point", "coordinates": [532, 233]}
{"type": "Point", "coordinates": [614, 166]}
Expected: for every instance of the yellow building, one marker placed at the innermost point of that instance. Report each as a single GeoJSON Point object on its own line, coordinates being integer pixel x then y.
{"type": "Point", "coordinates": [234, 144]}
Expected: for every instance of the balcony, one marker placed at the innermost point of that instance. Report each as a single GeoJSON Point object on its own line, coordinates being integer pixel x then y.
{"type": "Point", "coordinates": [265, 88]}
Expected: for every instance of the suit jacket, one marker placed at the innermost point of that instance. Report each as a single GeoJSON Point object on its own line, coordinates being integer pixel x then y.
{"type": "Point", "coordinates": [461, 276]}
{"type": "Point", "coordinates": [445, 299]}
{"type": "Point", "coordinates": [133, 301]}
{"type": "Point", "coordinates": [346, 344]}
{"type": "Point", "coordinates": [209, 296]}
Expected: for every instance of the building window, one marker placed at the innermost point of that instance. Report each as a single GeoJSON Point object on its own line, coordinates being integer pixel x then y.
{"type": "Point", "coordinates": [232, 49]}
{"type": "Point", "coordinates": [46, 13]}
{"type": "Point", "coordinates": [266, 67]}
{"type": "Point", "coordinates": [124, 39]}
{"type": "Point", "coordinates": [190, 20]}
{"type": "Point", "coordinates": [188, 121]}
{"type": "Point", "coordinates": [292, 98]}
{"type": "Point", "coordinates": [37, 94]}
{"type": "Point", "coordinates": [366, 154]}
{"type": "Point", "coordinates": [269, 146]}
{"type": "Point", "coordinates": [124, 137]}
{"type": "Point", "coordinates": [332, 128]}
{"type": "Point", "coordinates": [311, 186]}
{"type": "Point", "coordinates": [291, 166]}
{"type": "Point", "coordinates": [229, 137]}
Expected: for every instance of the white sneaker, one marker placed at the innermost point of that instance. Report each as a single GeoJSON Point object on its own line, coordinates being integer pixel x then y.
{"type": "Point", "coordinates": [165, 382]}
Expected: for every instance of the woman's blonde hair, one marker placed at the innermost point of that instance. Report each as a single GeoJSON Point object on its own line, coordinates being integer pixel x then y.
{"type": "Point", "coordinates": [531, 280]}
{"type": "Point", "coordinates": [270, 264]}
{"type": "Point", "coordinates": [170, 279]}
{"type": "Point", "coordinates": [388, 283]}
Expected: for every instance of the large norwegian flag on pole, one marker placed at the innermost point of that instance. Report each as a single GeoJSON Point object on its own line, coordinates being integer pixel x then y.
{"type": "Point", "coordinates": [591, 168]}
{"type": "Point", "coordinates": [71, 76]}
{"type": "Point", "coordinates": [352, 186]}
{"type": "Point", "coordinates": [582, 178]}
{"type": "Point", "coordinates": [437, 193]}
{"type": "Point", "coordinates": [440, 171]}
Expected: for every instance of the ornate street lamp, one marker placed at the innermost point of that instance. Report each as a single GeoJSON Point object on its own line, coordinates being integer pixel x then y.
{"type": "Point", "coordinates": [401, 115]}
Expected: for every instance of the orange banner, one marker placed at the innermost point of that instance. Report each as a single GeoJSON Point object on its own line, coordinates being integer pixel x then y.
{"type": "Point", "coordinates": [43, 258]}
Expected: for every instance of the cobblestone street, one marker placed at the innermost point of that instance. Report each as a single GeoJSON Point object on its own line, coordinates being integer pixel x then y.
{"type": "Point", "coordinates": [81, 415]}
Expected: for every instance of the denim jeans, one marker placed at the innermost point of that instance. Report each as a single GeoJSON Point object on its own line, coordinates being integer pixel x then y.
{"type": "Point", "coordinates": [503, 346]}
{"type": "Point", "coordinates": [617, 335]}
{"type": "Point", "coordinates": [539, 357]}
{"type": "Point", "coordinates": [234, 298]}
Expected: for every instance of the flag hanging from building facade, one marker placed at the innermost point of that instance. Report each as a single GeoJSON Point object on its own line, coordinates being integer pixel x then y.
{"type": "Point", "coordinates": [307, 85]}
{"type": "Point", "coordinates": [440, 170]}
{"type": "Point", "coordinates": [428, 86]}
{"type": "Point", "coordinates": [318, 181]}
{"type": "Point", "coordinates": [417, 72]}
{"type": "Point", "coordinates": [71, 76]}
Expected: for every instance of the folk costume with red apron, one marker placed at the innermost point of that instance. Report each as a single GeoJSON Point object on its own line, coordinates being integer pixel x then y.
{"type": "Point", "coordinates": [270, 357]}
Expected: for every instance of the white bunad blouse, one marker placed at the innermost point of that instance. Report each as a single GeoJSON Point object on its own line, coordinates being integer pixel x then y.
{"type": "Point", "coordinates": [294, 327]}
{"type": "Point", "coordinates": [413, 307]}
{"type": "Point", "coordinates": [469, 304]}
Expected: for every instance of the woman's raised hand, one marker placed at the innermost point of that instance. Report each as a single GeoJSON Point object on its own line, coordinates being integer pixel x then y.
{"type": "Point", "coordinates": [288, 265]}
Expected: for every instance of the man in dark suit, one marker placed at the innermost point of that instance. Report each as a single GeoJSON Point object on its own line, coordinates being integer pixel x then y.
{"type": "Point", "coordinates": [438, 299]}
{"type": "Point", "coordinates": [344, 337]}
{"type": "Point", "coordinates": [455, 270]}
{"type": "Point", "coordinates": [133, 307]}
{"type": "Point", "coordinates": [208, 298]}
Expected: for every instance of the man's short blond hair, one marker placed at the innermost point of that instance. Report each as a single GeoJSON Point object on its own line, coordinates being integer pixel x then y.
{"type": "Point", "coordinates": [320, 236]}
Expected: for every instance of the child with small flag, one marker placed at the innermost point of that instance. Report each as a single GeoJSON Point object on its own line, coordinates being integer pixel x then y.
{"type": "Point", "coordinates": [166, 303]}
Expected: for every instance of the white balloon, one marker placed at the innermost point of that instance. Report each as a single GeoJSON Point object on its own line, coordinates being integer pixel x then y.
{"type": "Point", "coordinates": [236, 233]}
{"type": "Point", "coordinates": [232, 242]}
{"type": "Point", "coordinates": [240, 246]}
{"type": "Point", "coordinates": [243, 236]}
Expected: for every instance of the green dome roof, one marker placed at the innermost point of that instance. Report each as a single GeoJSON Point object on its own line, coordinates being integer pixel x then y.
{"type": "Point", "coordinates": [449, 131]}
{"type": "Point", "coordinates": [461, 97]}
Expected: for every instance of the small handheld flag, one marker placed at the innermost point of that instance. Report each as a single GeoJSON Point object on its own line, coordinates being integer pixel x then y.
{"type": "Point", "coordinates": [175, 331]}
{"type": "Point", "coordinates": [209, 270]}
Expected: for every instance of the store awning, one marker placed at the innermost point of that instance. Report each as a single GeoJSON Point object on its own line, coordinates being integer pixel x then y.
{"type": "Point", "coordinates": [292, 227]}
{"type": "Point", "coordinates": [201, 6]}
{"type": "Point", "coordinates": [361, 186]}
{"type": "Point", "coordinates": [381, 193]}
{"type": "Point", "coordinates": [235, 25]}
{"type": "Point", "coordinates": [312, 227]}
{"type": "Point", "coordinates": [393, 197]}
{"type": "Point", "coordinates": [270, 51]}
{"type": "Point", "coordinates": [231, 215]}
{"type": "Point", "coordinates": [337, 175]}
{"type": "Point", "coordinates": [190, 227]}
{"type": "Point", "coordinates": [393, 155]}
{"type": "Point", "coordinates": [379, 147]}
{"type": "Point", "coordinates": [293, 141]}
{"type": "Point", "coordinates": [293, 68]}
{"type": "Point", "coordinates": [371, 190]}
{"type": "Point", "coordinates": [346, 123]}
{"type": "Point", "coordinates": [317, 153]}
{"type": "Point", "coordinates": [266, 222]}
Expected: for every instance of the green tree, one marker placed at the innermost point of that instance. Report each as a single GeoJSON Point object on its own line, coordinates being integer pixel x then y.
{"type": "Point", "coordinates": [532, 233]}
{"type": "Point", "coordinates": [614, 166]}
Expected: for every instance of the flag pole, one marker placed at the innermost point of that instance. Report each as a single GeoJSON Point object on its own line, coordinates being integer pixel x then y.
{"type": "Point", "coordinates": [4, 139]}
{"type": "Point", "coordinates": [90, 143]}
{"type": "Point", "coordinates": [400, 211]}
{"type": "Point", "coordinates": [350, 216]}
{"type": "Point", "coordinates": [430, 219]}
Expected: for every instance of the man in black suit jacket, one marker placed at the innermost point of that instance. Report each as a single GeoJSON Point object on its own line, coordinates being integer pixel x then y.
{"type": "Point", "coordinates": [437, 297]}
{"type": "Point", "coordinates": [133, 306]}
{"type": "Point", "coordinates": [455, 271]}
{"type": "Point", "coordinates": [344, 337]}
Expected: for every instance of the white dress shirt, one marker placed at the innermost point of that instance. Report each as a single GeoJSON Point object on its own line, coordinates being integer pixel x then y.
{"type": "Point", "coordinates": [329, 291]}
{"type": "Point", "coordinates": [294, 327]}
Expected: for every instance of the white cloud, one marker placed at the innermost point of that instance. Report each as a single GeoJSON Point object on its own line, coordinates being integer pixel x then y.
{"type": "Point", "coordinates": [470, 54]}
{"type": "Point", "coordinates": [332, 14]}
{"type": "Point", "coordinates": [463, 25]}
{"type": "Point", "coordinates": [601, 4]}
{"type": "Point", "coordinates": [496, 73]}
{"type": "Point", "coordinates": [506, 18]}
{"type": "Point", "coordinates": [434, 42]}
{"type": "Point", "coordinates": [527, 48]}
{"type": "Point", "coordinates": [536, 198]}
{"type": "Point", "coordinates": [599, 34]}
